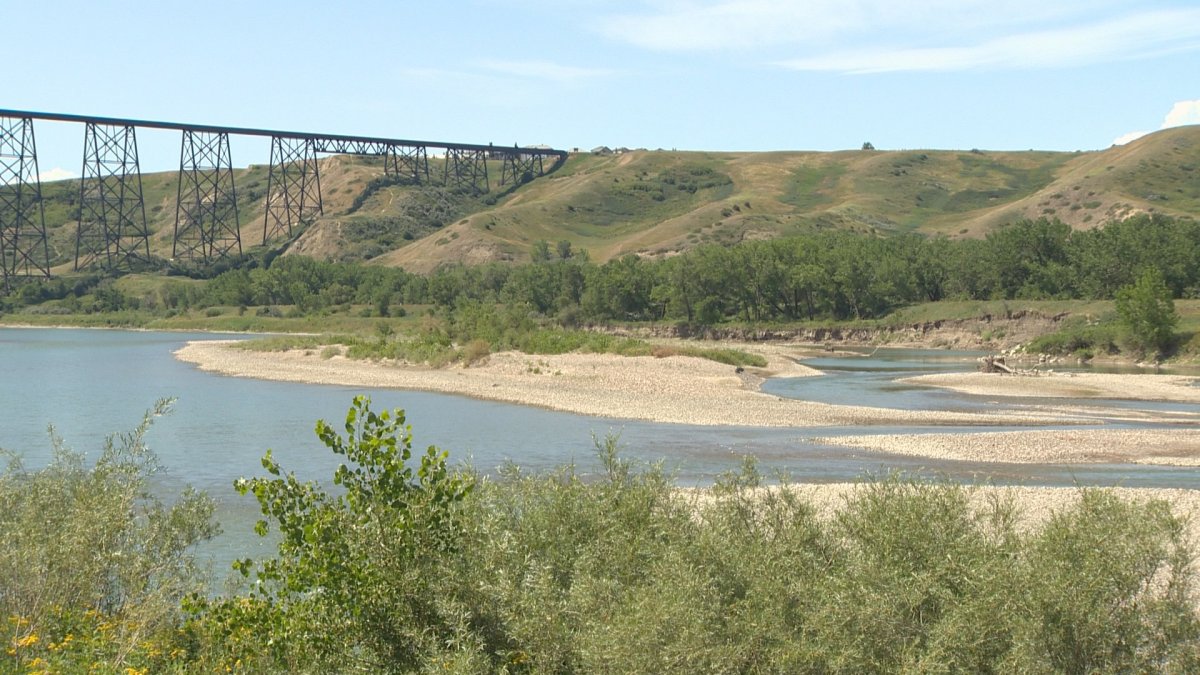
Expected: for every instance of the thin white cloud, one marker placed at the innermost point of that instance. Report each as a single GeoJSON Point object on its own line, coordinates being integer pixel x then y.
{"type": "Point", "coordinates": [544, 70]}
{"type": "Point", "coordinates": [1129, 37]}
{"type": "Point", "coordinates": [876, 36]}
{"type": "Point", "coordinates": [1129, 137]}
{"type": "Point", "coordinates": [683, 25]}
{"type": "Point", "coordinates": [1181, 114]}
{"type": "Point", "coordinates": [733, 23]}
{"type": "Point", "coordinates": [57, 173]}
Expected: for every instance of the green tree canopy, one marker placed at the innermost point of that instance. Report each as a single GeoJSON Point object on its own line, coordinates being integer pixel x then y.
{"type": "Point", "coordinates": [1147, 312]}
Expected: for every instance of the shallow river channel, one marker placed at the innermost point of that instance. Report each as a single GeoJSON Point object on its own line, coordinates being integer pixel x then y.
{"type": "Point", "coordinates": [90, 383]}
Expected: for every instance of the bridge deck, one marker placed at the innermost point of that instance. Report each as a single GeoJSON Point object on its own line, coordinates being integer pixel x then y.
{"type": "Point", "coordinates": [299, 135]}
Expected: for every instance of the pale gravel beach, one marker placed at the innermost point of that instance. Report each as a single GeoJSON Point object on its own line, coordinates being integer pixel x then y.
{"type": "Point", "coordinates": [1178, 447]}
{"type": "Point", "coordinates": [1142, 387]}
{"type": "Point", "coordinates": [688, 390]}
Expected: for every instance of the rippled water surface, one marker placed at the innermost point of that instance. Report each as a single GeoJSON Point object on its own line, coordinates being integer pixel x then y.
{"type": "Point", "coordinates": [90, 383]}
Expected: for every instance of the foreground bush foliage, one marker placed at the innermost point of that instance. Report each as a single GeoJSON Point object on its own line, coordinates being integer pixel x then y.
{"type": "Point", "coordinates": [405, 565]}
{"type": "Point", "coordinates": [93, 566]}
{"type": "Point", "coordinates": [417, 568]}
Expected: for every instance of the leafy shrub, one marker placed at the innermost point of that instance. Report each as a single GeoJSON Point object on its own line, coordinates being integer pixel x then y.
{"type": "Point", "coordinates": [422, 568]}
{"type": "Point", "coordinates": [474, 351]}
{"type": "Point", "coordinates": [355, 578]}
{"type": "Point", "coordinates": [1147, 312]}
{"type": "Point", "coordinates": [406, 565]}
{"type": "Point", "coordinates": [92, 565]}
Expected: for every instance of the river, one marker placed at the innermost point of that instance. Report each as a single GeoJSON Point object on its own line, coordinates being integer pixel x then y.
{"type": "Point", "coordinates": [91, 383]}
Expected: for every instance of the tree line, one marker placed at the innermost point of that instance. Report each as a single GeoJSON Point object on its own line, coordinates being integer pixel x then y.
{"type": "Point", "coordinates": [818, 276]}
{"type": "Point", "coordinates": [826, 275]}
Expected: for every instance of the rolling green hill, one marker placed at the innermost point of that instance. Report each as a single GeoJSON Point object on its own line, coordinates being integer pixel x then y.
{"type": "Point", "coordinates": [657, 202]}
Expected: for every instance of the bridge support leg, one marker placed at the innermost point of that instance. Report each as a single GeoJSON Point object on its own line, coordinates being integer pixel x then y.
{"type": "Point", "coordinates": [23, 245]}
{"type": "Point", "coordinates": [407, 161]}
{"type": "Point", "coordinates": [293, 186]}
{"type": "Point", "coordinates": [520, 168]}
{"type": "Point", "coordinates": [466, 169]}
{"type": "Point", "coordinates": [112, 214]}
{"type": "Point", "coordinates": [206, 215]}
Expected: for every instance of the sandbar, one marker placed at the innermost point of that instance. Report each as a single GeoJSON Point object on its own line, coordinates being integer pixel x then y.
{"type": "Point", "coordinates": [1169, 446]}
{"type": "Point", "coordinates": [689, 390]}
{"type": "Point", "coordinates": [1140, 387]}
{"type": "Point", "coordinates": [672, 389]}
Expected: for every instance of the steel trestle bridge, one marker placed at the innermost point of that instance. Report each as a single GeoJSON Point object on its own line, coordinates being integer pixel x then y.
{"type": "Point", "coordinates": [112, 232]}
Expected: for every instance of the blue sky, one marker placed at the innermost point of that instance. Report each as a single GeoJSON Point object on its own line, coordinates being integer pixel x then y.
{"type": "Point", "coordinates": [683, 74]}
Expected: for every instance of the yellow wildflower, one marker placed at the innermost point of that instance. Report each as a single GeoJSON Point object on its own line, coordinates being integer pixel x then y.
{"type": "Point", "coordinates": [27, 641]}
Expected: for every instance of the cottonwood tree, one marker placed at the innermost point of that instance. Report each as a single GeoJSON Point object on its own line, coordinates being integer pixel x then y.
{"type": "Point", "coordinates": [1147, 312]}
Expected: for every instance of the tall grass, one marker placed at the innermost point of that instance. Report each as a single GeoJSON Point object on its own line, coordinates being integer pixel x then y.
{"type": "Point", "coordinates": [433, 346]}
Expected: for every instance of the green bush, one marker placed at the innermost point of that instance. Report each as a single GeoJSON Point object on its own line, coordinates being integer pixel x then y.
{"type": "Point", "coordinates": [413, 567]}
{"type": "Point", "coordinates": [92, 565]}
{"type": "Point", "coordinates": [406, 565]}
{"type": "Point", "coordinates": [356, 574]}
{"type": "Point", "coordinates": [1147, 313]}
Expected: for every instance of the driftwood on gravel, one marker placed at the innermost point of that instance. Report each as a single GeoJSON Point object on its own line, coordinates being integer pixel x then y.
{"type": "Point", "coordinates": [994, 364]}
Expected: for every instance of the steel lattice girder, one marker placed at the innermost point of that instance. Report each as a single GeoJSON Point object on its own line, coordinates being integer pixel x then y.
{"type": "Point", "coordinates": [293, 186]}
{"type": "Point", "coordinates": [344, 146]}
{"type": "Point", "coordinates": [112, 214]}
{"type": "Point", "coordinates": [407, 161]}
{"type": "Point", "coordinates": [23, 245]}
{"type": "Point", "coordinates": [466, 168]}
{"type": "Point", "coordinates": [520, 167]}
{"type": "Point", "coordinates": [206, 214]}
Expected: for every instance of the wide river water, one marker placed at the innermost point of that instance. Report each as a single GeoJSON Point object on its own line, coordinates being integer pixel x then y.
{"type": "Point", "coordinates": [91, 383]}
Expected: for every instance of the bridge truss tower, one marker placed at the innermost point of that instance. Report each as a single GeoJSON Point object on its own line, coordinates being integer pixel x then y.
{"type": "Point", "coordinates": [293, 186]}
{"type": "Point", "coordinates": [112, 228]}
{"type": "Point", "coordinates": [520, 168]}
{"type": "Point", "coordinates": [466, 168]}
{"type": "Point", "coordinates": [407, 161]}
{"type": "Point", "coordinates": [206, 213]}
{"type": "Point", "coordinates": [23, 247]}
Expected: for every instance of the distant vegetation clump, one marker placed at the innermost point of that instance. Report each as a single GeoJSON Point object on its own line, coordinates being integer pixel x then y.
{"type": "Point", "coordinates": [414, 214]}
{"type": "Point", "coordinates": [405, 563]}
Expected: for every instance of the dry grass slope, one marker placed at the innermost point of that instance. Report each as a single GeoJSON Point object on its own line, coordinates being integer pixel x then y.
{"type": "Point", "coordinates": [658, 203]}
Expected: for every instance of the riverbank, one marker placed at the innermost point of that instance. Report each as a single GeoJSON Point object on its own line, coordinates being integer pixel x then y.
{"type": "Point", "coordinates": [673, 389]}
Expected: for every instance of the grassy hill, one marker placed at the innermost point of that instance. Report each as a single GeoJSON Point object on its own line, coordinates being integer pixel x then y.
{"type": "Point", "coordinates": [656, 202]}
